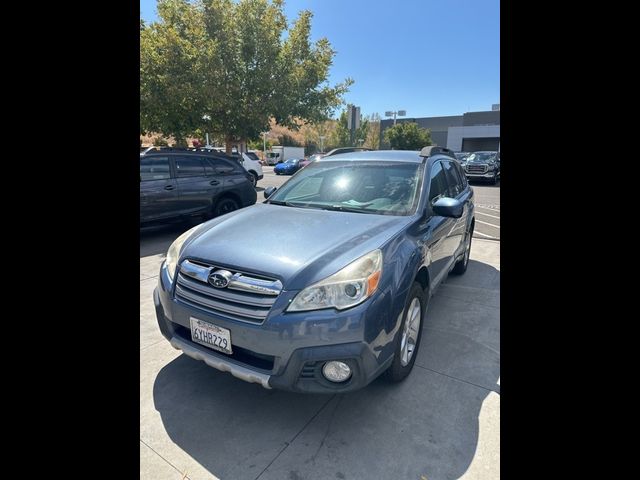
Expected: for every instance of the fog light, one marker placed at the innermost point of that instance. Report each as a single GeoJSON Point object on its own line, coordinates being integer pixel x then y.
{"type": "Point", "coordinates": [336, 371]}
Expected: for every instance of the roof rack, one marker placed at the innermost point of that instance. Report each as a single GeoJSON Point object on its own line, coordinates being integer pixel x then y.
{"type": "Point", "coordinates": [435, 150]}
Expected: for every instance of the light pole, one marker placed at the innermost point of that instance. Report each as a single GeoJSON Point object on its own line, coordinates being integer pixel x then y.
{"type": "Point", "coordinates": [399, 113]}
{"type": "Point", "coordinates": [264, 143]}
{"type": "Point", "coordinates": [206, 118]}
{"type": "Point", "coordinates": [322, 143]}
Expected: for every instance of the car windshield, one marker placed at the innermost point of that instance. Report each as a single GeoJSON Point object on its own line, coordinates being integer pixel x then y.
{"type": "Point", "coordinates": [480, 157]}
{"type": "Point", "coordinates": [271, 155]}
{"type": "Point", "coordinates": [252, 155]}
{"type": "Point", "coordinates": [386, 188]}
{"type": "Point", "coordinates": [291, 160]}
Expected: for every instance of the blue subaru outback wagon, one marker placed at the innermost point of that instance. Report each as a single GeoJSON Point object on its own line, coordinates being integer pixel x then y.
{"type": "Point", "coordinates": [365, 238]}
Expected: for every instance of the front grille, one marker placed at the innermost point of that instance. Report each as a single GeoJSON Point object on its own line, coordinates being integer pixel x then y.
{"type": "Point", "coordinates": [232, 304]}
{"type": "Point", "coordinates": [477, 168]}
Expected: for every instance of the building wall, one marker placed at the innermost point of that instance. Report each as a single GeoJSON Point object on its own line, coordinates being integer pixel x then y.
{"type": "Point", "coordinates": [457, 134]}
{"type": "Point", "coordinates": [438, 125]}
{"type": "Point", "coordinates": [450, 131]}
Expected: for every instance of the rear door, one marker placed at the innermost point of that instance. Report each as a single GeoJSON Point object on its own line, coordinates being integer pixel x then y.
{"type": "Point", "coordinates": [234, 178]}
{"type": "Point", "coordinates": [457, 190]}
{"type": "Point", "coordinates": [158, 189]}
{"type": "Point", "coordinates": [198, 184]}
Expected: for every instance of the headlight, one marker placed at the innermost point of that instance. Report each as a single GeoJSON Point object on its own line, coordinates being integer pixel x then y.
{"type": "Point", "coordinates": [350, 286]}
{"type": "Point", "coordinates": [173, 254]}
{"type": "Point", "coordinates": [492, 166]}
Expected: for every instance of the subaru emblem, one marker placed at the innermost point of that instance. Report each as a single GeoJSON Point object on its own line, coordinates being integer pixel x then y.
{"type": "Point", "coordinates": [220, 278]}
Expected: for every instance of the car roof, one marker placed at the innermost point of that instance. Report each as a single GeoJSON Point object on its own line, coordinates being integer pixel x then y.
{"type": "Point", "coordinates": [178, 151]}
{"type": "Point", "coordinates": [412, 156]}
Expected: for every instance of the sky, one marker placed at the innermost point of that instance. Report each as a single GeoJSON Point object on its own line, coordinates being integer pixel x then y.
{"type": "Point", "coordinates": [428, 57]}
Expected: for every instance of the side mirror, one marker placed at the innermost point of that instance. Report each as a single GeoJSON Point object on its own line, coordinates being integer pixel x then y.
{"type": "Point", "coordinates": [269, 191]}
{"type": "Point", "coordinates": [448, 207]}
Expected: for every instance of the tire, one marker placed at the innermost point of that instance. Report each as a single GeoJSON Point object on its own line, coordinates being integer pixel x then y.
{"type": "Point", "coordinates": [225, 205]}
{"type": "Point", "coordinates": [461, 265]}
{"type": "Point", "coordinates": [404, 357]}
{"type": "Point", "coordinates": [494, 180]}
{"type": "Point", "coordinates": [254, 179]}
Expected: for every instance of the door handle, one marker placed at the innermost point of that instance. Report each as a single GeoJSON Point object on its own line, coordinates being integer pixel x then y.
{"type": "Point", "coordinates": [214, 182]}
{"type": "Point", "coordinates": [169, 187]}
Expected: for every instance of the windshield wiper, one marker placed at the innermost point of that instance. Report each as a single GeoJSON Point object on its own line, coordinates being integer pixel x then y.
{"type": "Point", "coordinates": [286, 204]}
{"type": "Point", "coordinates": [342, 208]}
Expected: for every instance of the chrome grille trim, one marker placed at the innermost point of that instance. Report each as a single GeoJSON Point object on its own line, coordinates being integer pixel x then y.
{"type": "Point", "coordinates": [476, 168]}
{"type": "Point", "coordinates": [246, 298]}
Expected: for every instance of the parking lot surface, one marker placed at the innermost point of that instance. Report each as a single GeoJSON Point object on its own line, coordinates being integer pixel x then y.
{"type": "Point", "coordinates": [487, 199]}
{"type": "Point", "coordinates": [443, 422]}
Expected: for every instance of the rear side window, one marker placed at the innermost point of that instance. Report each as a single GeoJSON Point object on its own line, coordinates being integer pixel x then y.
{"type": "Point", "coordinates": [189, 167]}
{"type": "Point", "coordinates": [463, 177]}
{"type": "Point", "coordinates": [453, 179]}
{"type": "Point", "coordinates": [226, 163]}
{"type": "Point", "coordinates": [438, 183]}
{"type": "Point", "coordinates": [154, 168]}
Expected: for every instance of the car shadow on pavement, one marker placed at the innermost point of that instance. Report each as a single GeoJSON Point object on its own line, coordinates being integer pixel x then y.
{"type": "Point", "coordinates": [427, 425]}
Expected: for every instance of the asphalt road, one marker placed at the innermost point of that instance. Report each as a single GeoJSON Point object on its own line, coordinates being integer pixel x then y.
{"type": "Point", "coordinates": [487, 203]}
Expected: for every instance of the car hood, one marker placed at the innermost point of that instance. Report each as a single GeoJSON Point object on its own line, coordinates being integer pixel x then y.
{"type": "Point", "coordinates": [296, 245]}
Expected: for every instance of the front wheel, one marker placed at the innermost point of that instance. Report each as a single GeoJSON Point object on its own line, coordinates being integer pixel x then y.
{"type": "Point", "coordinates": [225, 205]}
{"type": "Point", "coordinates": [409, 336]}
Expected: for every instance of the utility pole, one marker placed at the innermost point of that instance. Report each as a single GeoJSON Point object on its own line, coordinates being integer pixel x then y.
{"type": "Point", "coordinates": [322, 143]}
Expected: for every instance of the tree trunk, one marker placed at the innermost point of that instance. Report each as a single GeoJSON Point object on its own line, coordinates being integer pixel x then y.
{"type": "Point", "coordinates": [227, 145]}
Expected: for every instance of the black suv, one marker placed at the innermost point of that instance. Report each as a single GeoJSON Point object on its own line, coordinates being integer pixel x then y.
{"type": "Point", "coordinates": [177, 184]}
{"type": "Point", "coordinates": [483, 166]}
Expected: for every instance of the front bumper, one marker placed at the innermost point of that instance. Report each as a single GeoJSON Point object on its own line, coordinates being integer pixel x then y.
{"type": "Point", "coordinates": [481, 176]}
{"type": "Point", "coordinates": [287, 351]}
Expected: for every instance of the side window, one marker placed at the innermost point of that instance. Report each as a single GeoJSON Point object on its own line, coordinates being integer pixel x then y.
{"type": "Point", "coordinates": [154, 168]}
{"type": "Point", "coordinates": [438, 183]}
{"type": "Point", "coordinates": [227, 163]}
{"type": "Point", "coordinates": [455, 184]}
{"type": "Point", "coordinates": [189, 167]}
{"type": "Point", "coordinates": [208, 166]}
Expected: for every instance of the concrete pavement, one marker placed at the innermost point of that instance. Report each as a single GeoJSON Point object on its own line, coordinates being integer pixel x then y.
{"type": "Point", "coordinates": [443, 422]}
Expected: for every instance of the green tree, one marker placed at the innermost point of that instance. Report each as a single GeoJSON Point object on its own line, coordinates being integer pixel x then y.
{"type": "Point", "coordinates": [237, 62]}
{"type": "Point", "coordinates": [288, 141]}
{"type": "Point", "coordinates": [372, 140]}
{"type": "Point", "coordinates": [407, 136]}
{"type": "Point", "coordinates": [341, 135]}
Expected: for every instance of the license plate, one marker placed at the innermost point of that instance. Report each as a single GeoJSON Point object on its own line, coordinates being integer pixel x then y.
{"type": "Point", "coordinates": [211, 335]}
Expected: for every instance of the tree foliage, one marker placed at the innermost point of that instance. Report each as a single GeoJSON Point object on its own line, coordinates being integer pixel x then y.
{"type": "Point", "coordinates": [407, 136]}
{"type": "Point", "coordinates": [341, 135]}
{"type": "Point", "coordinates": [237, 62]}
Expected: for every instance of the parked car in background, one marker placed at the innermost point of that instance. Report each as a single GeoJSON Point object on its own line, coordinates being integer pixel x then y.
{"type": "Point", "coordinates": [326, 313]}
{"type": "Point", "coordinates": [461, 156]}
{"type": "Point", "coordinates": [483, 166]}
{"type": "Point", "coordinates": [180, 184]}
{"type": "Point", "coordinates": [337, 151]}
{"type": "Point", "coordinates": [251, 164]}
{"type": "Point", "coordinates": [289, 167]}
